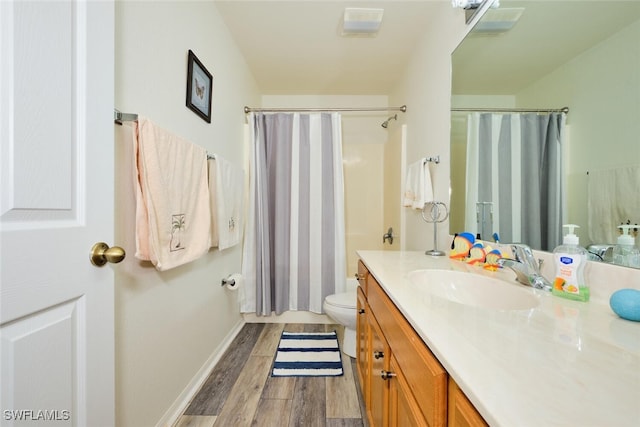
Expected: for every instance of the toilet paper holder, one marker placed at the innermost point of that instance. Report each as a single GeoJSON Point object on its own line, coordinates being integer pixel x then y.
{"type": "Point", "coordinates": [228, 281]}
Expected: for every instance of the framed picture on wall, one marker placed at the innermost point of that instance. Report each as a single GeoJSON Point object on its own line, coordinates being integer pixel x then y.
{"type": "Point", "coordinates": [199, 88]}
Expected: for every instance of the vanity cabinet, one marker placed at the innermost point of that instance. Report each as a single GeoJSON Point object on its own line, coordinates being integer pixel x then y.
{"type": "Point", "coordinates": [362, 334]}
{"type": "Point", "coordinates": [378, 409]}
{"type": "Point", "coordinates": [403, 384]}
{"type": "Point", "coordinates": [461, 410]}
{"type": "Point", "coordinates": [404, 410]}
{"type": "Point", "coordinates": [362, 345]}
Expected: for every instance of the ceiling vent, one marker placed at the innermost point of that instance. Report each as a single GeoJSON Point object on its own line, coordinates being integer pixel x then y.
{"type": "Point", "coordinates": [497, 21]}
{"type": "Point", "coordinates": [361, 21]}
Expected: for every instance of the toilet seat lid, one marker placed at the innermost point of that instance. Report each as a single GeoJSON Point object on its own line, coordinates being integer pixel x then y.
{"type": "Point", "coordinates": [344, 300]}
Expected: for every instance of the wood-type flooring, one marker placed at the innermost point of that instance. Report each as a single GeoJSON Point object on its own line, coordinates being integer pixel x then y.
{"type": "Point", "coordinates": [241, 392]}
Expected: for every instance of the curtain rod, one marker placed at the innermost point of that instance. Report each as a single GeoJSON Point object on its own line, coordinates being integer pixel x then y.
{"type": "Point", "coordinates": [512, 110]}
{"type": "Point", "coordinates": [297, 110]}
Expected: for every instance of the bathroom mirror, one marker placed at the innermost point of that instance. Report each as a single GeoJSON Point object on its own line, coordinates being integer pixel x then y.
{"type": "Point", "coordinates": [549, 55]}
{"type": "Point", "coordinates": [471, 12]}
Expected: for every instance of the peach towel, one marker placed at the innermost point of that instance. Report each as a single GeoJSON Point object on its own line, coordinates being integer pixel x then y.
{"type": "Point", "coordinates": [172, 197]}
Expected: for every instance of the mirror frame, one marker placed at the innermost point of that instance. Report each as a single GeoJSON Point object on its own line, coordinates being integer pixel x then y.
{"type": "Point", "coordinates": [470, 14]}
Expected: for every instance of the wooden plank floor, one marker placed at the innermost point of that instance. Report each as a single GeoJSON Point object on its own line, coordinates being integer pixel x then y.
{"type": "Point", "coordinates": [240, 391]}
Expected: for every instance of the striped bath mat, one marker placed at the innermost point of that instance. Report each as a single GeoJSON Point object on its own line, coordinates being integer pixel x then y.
{"type": "Point", "coordinates": [308, 354]}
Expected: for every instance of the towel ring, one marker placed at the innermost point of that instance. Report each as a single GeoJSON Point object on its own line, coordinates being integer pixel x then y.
{"type": "Point", "coordinates": [437, 213]}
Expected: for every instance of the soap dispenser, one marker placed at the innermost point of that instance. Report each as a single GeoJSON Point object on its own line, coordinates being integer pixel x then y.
{"type": "Point", "coordinates": [570, 259]}
{"type": "Point", "coordinates": [625, 253]}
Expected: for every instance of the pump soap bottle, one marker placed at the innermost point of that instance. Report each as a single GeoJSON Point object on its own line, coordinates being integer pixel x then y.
{"type": "Point", "coordinates": [570, 259]}
{"type": "Point", "coordinates": [625, 253]}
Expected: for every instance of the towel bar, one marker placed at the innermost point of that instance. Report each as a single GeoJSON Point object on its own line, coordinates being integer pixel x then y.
{"type": "Point", "coordinates": [435, 159]}
{"type": "Point", "coordinates": [119, 117]}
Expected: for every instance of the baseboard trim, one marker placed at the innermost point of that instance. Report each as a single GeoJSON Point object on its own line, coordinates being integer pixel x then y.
{"type": "Point", "coordinates": [182, 402]}
{"type": "Point", "coordinates": [289, 317]}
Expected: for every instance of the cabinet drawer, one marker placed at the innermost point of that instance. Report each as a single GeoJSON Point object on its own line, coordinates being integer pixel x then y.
{"type": "Point", "coordinates": [425, 377]}
{"type": "Point", "coordinates": [362, 276]}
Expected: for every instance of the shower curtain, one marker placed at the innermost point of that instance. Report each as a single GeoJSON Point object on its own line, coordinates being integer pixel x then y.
{"type": "Point", "coordinates": [514, 166]}
{"type": "Point", "coordinates": [294, 251]}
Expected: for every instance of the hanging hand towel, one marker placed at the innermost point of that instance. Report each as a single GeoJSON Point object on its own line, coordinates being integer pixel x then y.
{"type": "Point", "coordinates": [418, 187]}
{"type": "Point", "coordinates": [172, 197]}
{"type": "Point", "coordinates": [226, 184]}
{"type": "Point", "coordinates": [611, 200]}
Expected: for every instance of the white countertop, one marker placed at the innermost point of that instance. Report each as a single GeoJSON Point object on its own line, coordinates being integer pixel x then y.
{"type": "Point", "coordinates": [563, 363]}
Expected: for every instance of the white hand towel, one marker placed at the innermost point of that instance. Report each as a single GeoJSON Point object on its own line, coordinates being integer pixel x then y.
{"type": "Point", "coordinates": [226, 185]}
{"type": "Point", "coordinates": [172, 197]}
{"type": "Point", "coordinates": [611, 200]}
{"type": "Point", "coordinates": [418, 186]}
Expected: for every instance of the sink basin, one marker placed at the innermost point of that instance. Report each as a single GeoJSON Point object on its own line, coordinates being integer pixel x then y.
{"type": "Point", "coordinates": [473, 290]}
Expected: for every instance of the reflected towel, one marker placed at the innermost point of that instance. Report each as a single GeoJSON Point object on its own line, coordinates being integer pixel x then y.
{"type": "Point", "coordinates": [612, 198]}
{"type": "Point", "coordinates": [172, 197]}
{"type": "Point", "coordinates": [418, 188]}
{"type": "Point", "coordinates": [226, 185]}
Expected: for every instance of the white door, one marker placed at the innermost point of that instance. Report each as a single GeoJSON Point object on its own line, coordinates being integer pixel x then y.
{"type": "Point", "coordinates": [56, 308]}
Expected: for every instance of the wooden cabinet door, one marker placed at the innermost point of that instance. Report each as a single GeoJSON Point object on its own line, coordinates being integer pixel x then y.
{"type": "Point", "coordinates": [378, 408]}
{"type": "Point", "coordinates": [363, 346]}
{"type": "Point", "coordinates": [426, 377]}
{"type": "Point", "coordinates": [404, 411]}
{"type": "Point", "coordinates": [461, 411]}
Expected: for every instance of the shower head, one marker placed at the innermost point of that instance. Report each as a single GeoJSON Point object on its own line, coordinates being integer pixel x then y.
{"type": "Point", "coordinates": [386, 122]}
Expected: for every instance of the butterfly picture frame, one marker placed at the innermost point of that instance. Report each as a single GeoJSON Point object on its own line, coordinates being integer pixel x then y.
{"type": "Point", "coordinates": [199, 87]}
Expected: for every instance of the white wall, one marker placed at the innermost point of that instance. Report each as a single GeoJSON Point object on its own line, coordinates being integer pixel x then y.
{"type": "Point", "coordinates": [426, 90]}
{"type": "Point", "coordinates": [169, 325]}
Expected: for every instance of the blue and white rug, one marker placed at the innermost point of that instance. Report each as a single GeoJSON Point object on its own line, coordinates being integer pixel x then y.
{"type": "Point", "coordinates": [308, 354]}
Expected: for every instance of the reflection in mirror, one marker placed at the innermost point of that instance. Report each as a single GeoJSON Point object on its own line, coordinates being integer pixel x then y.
{"type": "Point", "coordinates": [471, 7]}
{"type": "Point", "coordinates": [535, 55]}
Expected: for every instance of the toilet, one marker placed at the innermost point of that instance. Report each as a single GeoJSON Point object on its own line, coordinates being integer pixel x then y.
{"type": "Point", "coordinates": [342, 308]}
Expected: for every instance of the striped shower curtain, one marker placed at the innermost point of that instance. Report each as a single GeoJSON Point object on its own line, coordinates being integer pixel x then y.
{"type": "Point", "coordinates": [294, 251]}
{"type": "Point", "coordinates": [514, 173]}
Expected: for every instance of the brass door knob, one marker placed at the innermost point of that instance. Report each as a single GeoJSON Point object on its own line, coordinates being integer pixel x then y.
{"type": "Point", "coordinates": [101, 254]}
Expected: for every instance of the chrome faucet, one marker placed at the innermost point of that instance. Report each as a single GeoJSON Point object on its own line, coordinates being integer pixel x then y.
{"type": "Point", "coordinates": [526, 267]}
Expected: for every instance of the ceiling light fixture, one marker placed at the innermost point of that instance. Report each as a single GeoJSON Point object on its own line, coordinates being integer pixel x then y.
{"type": "Point", "coordinates": [361, 21]}
{"type": "Point", "coordinates": [497, 21]}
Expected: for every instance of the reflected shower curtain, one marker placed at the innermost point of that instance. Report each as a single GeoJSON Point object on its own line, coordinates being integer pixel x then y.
{"type": "Point", "coordinates": [294, 252]}
{"type": "Point", "coordinates": [514, 168]}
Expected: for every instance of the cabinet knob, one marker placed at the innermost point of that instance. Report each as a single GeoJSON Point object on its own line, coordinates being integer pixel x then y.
{"type": "Point", "coordinates": [387, 375]}
{"type": "Point", "coordinates": [378, 354]}
{"type": "Point", "coordinates": [359, 276]}
{"type": "Point", "coordinates": [361, 311]}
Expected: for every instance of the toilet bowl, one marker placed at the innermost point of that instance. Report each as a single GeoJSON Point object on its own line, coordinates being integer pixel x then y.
{"type": "Point", "coordinates": [342, 308]}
